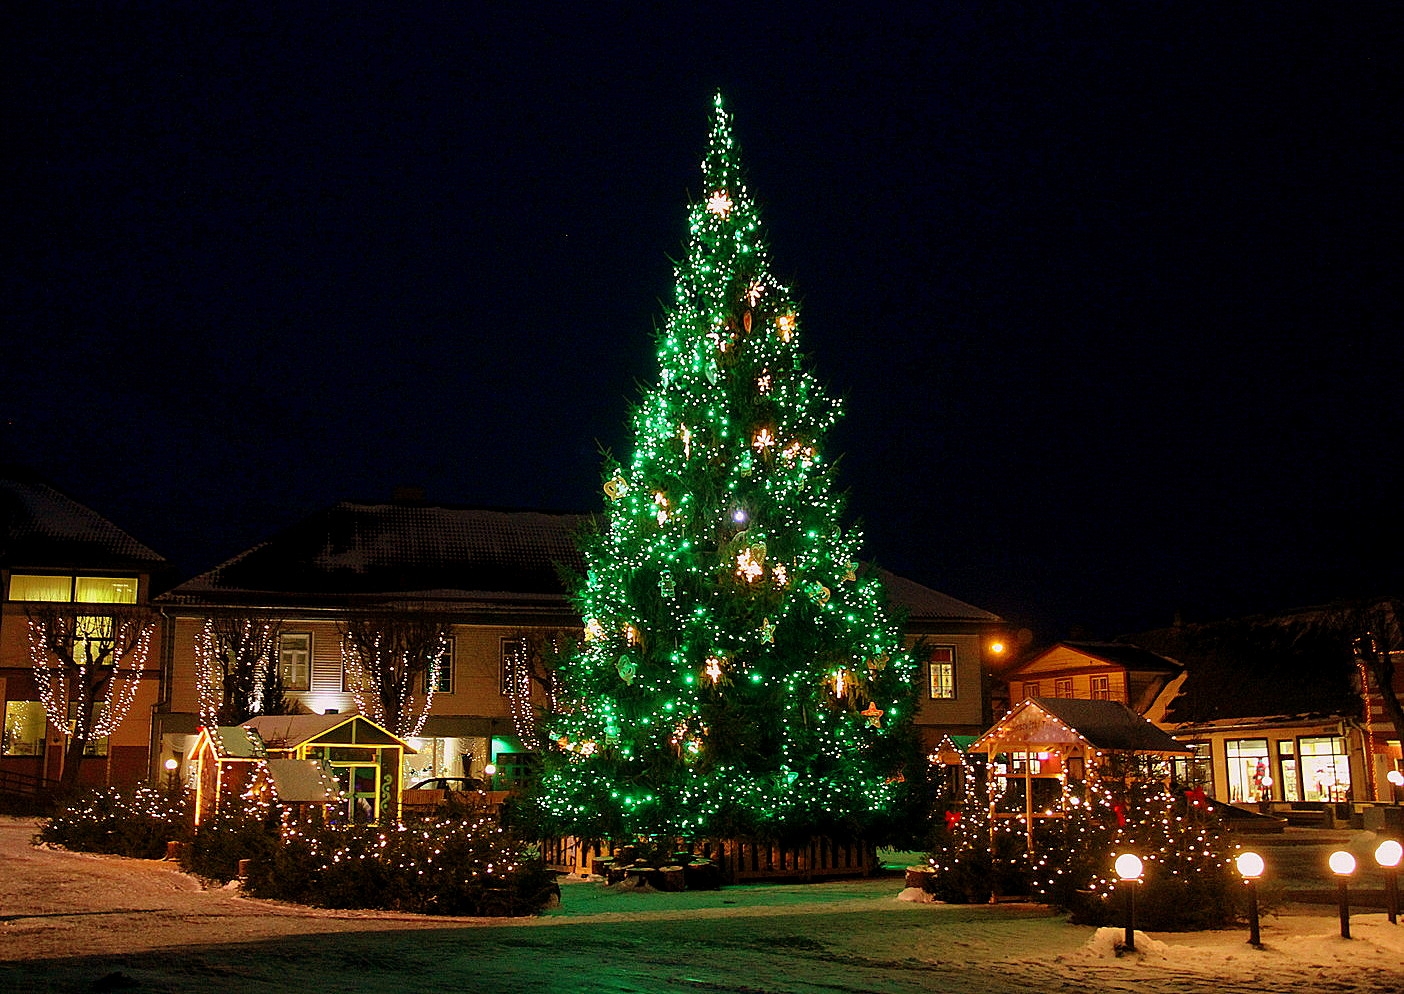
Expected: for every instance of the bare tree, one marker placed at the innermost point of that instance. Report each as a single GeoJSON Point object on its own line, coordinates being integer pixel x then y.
{"type": "Point", "coordinates": [88, 663]}
{"type": "Point", "coordinates": [534, 656]}
{"type": "Point", "coordinates": [385, 655]}
{"type": "Point", "coordinates": [1378, 641]}
{"type": "Point", "coordinates": [237, 672]}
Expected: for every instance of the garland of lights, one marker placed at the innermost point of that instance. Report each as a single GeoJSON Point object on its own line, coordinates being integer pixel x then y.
{"type": "Point", "coordinates": [519, 669]}
{"type": "Point", "coordinates": [737, 673]}
{"type": "Point", "coordinates": [102, 654]}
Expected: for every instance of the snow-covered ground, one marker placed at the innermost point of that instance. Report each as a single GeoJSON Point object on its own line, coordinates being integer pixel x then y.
{"type": "Point", "coordinates": [79, 922]}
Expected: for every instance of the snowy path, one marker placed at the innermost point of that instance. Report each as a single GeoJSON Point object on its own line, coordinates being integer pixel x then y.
{"type": "Point", "coordinates": [76, 922]}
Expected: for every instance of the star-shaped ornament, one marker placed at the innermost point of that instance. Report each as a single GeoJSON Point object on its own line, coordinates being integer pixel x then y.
{"type": "Point", "coordinates": [874, 715]}
{"type": "Point", "coordinates": [720, 204]}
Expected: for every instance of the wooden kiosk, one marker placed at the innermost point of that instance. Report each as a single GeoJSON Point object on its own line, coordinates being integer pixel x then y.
{"type": "Point", "coordinates": [1045, 742]}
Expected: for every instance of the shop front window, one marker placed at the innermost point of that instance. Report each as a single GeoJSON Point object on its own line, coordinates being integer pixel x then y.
{"type": "Point", "coordinates": [1247, 769]}
{"type": "Point", "coordinates": [1325, 769]}
{"type": "Point", "coordinates": [1195, 772]}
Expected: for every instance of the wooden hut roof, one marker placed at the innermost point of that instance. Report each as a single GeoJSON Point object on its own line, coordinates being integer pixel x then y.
{"type": "Point", "coordinates": [300, 781]}
{"type": "Point", "coordinates": [232, 742]}
{"type": "Point", "coordinates": [1105, 725]}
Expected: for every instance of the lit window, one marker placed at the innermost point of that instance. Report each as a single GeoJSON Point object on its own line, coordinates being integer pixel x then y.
{"type": "Point", "coordinates": [92, 641]}
{"type": "Point", "coordinates": [443, 683]}
{"type": "Point", "coordinates": [105, 589]}
{"type": "Point", "coordinates": [84, 589]}
{"type": "Point", "coordinates": [1247, 769]}
{"type": "Point", "coordinates": [24, 728]}
{"type": "Point", "coordinates": [41, 588]}
{"type": "Point", "coordinates": [943, 675]}
{"type": "Point", "coordinates": [295, 660]}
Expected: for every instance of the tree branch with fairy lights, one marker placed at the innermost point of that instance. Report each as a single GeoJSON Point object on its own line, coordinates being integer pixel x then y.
{"type": "Point", "coordinates": [392, 660]}
{"type": "Point", "coordinates": [237, 675]}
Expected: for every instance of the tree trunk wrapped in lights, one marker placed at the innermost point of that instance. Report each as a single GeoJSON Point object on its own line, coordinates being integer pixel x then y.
{"type": "Point", "coordinates": [386, 655]}
{"type": "Point", "coordinates": [740, 673]}
{"type": "Point", "coordinates": [88, 663]}
{"type": "Point", "coordinates": [237, 673]}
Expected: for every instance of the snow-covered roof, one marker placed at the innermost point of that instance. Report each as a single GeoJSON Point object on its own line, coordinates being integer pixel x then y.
{"type": "Point", "coordinates": [924, 604]}
{"type": "Point", "coordinates": [41, 528]}
{"type": "Point", "coordinates": [1104, 725]}
{"type": "Point", "coordinates": [288, 731]}
{"type": "Point", "coordinates": [391, 550]}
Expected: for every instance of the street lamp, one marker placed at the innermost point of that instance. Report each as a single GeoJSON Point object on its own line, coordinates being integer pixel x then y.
{"type": "Point", "coordinates": [1343, 865]}
{"type": "Point", "coordinates": [171, 766]}
{"type": "Point", "coordinates": [1396, 781]}
{"type": "Point", "coordinates": [1250, 867]}
{"type": "Point", "coordinates": [1128, 868]}
{"type": "Point", "coordinates": [1388, 855]}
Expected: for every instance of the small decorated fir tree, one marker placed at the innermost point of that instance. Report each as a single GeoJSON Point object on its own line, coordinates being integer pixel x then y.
{"type": "Point", "coordinates": [740, 673]}
{"type": "Point", "coordinates": [1125, 808]}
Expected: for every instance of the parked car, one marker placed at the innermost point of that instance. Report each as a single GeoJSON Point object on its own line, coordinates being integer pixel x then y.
{"type": "Point", "coordinates": [456, 784]}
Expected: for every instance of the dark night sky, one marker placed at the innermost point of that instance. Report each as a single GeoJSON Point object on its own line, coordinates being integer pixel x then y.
{"type": "Point", "coordinates": [1111, 289]}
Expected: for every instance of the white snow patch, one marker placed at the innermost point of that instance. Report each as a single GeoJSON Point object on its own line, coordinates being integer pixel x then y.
{"type": "Point", "coordinates": [917, 895]}
{"type": "Point", "coordinates": [1111, 942]}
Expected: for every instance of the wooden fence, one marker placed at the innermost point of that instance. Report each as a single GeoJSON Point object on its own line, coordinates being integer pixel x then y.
{"type": "Point", "coordinates": [738, 860]}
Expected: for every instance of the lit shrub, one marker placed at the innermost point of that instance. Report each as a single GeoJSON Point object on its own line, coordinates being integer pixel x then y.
{"type": "Point", "coordinates": [450, 867]}
{"type": "Point", "coordinates": [136, 822]}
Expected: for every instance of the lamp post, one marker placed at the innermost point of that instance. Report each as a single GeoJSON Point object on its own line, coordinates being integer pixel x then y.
{"type": "Point", "coordinates": [1388, 855]}
{"type": "Point", "coordinates": [1128, 868]}
{"type": "Point", "coordinates": [1250, 867]}
{"type": "Point", "coordinates": [1396, 781]}
{"type": "Point", "coordinates": [172, 765]}
{"type": "Point", "coordinates": [1343, 865]}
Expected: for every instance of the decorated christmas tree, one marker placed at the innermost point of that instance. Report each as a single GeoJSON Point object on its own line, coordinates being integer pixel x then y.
{"type": "Point", "coordinates": [740, 673]}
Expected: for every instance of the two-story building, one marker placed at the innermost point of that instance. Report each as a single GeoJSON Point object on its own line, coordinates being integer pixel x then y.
{"type": "Point", "coordinates": [61, 560]}
{"type": "Point", "coordinates": [488, 578]}
{"type": "Point", "coordinates": [1274, 709]}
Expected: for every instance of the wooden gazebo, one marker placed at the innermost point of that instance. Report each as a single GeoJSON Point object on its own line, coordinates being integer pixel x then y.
{"type": "Point", "coordinates": [1048, 741]}
{"type": "Point", "coordinates": [365, 758]}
